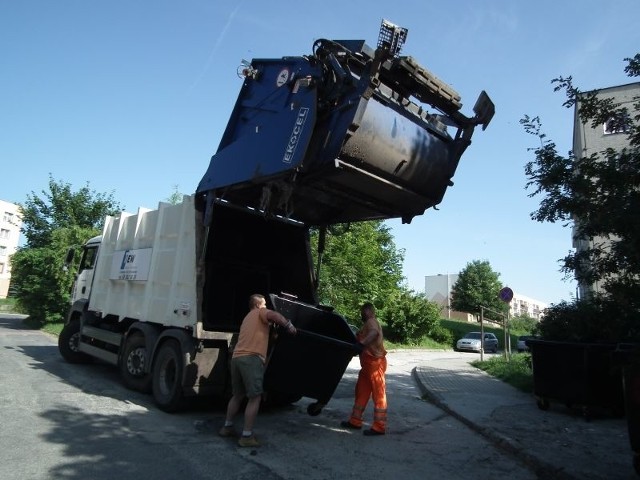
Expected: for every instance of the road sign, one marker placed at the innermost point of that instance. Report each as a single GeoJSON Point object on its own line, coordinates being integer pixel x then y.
{"type": "Point", "coordinates": [506, 294]}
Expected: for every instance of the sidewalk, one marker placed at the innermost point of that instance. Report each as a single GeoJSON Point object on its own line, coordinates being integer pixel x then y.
{"type": "Point", "coordinates": [557, 443]}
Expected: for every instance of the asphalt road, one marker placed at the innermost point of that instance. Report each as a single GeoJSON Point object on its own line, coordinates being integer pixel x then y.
{"type": "Point", "coordinates": [63, 421]}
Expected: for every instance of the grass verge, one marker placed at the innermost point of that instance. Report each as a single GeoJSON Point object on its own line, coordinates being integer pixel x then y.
{"type": "Point", "coordinates": [516, 371]}
{"type": "Point", "coordinates": [53, 328]}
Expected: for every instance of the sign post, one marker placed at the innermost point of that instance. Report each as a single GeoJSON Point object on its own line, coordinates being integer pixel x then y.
{"type": "Point", "coordinates": [506, 295]}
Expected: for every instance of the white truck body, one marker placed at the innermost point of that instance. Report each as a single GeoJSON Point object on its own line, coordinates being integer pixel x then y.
{"type": "Point", "coordinates": [147, 266]}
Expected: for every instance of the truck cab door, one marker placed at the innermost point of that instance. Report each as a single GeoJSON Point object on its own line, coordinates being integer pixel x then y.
{"type": "Point", "coordinates": [84, 279]}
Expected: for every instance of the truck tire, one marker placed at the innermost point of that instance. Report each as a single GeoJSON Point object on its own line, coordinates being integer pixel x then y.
{"type": "Point", "coordinates": [167, 377]}
{"type": "Point", "coordinates": [68, 343]}
{"type": "Point", "coordinates": [133, 364]}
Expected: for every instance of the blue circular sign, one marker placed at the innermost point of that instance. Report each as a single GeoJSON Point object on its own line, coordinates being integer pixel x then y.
{"type": "Point", "coordinates": [506, 294]}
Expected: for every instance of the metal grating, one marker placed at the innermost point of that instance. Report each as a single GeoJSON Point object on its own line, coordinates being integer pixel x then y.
{"type": "Point", "coordinates": [391, 37]}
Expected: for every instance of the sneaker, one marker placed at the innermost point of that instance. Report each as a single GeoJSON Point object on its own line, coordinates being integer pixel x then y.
{"type": "Point", "coordinates": [248, 442]}
{"type": "Point", "coordinates": [372, 433]}
{"type": "Point", "coordinates": [348, 424]}
{"type": "Point", "coordinates": [227, 432]}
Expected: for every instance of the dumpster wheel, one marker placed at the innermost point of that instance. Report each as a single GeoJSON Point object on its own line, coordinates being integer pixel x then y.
{"type": "Point", "coordinates": [314, 409]}
{"type": "Point", "coordinates": [543, 403]}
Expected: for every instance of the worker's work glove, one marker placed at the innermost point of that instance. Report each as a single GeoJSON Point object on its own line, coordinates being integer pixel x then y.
{"type": "Point", "coordinates": [290, 328]}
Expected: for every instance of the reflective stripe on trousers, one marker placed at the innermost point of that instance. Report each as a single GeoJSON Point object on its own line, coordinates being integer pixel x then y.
{"type": "Point", "coordinates": [371, 384]}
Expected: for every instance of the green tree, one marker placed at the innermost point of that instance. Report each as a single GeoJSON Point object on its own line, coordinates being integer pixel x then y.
{"type": "Point", "coordinates": [410, 317]}
{"type": "Point", "coordinates": [52, 223]}
{"type": "Point", "coordinates": [60, 207]}
{"type": "Point", "coordinates": [523, 323]}
{"type": "Point", "coordinates": [360, 263]}
{"type": "Point", "coordinates": [175, 197]}
{"type": "Point", "coordinates": [601, 193]}
{"type": "Point", "coordinates": [478, 286]}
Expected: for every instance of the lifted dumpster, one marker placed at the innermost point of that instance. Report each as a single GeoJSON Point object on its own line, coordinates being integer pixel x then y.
{"type": "Point", "coordinates": [347, 133]}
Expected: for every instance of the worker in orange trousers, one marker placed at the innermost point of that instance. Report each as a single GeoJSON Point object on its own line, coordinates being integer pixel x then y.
{"type": "Point", "coordinates": [371, 378]}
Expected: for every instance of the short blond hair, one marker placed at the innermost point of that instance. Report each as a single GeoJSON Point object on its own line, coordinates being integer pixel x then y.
{"type": "Point", "coordinates": [255, 300]}
{"type": "Point", "coordinates": [368, 309]}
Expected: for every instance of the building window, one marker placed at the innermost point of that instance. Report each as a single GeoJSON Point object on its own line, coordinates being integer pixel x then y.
{"type": "Point", "coordinates": [4, 233]}
{"type": "Point", "coordinates": [1, 268]}
{"type": "Point", "coordinates": [3, 251]}
{"type": "Point", "coordinates": [7, 217]}
{"type": "Point", "coordinates": [615, 125]}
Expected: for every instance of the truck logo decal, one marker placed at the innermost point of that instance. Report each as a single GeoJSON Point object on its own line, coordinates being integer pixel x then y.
{"type": "Point", "coordinates": [127, 258]}
{"type": "Point", "coordinates": [298, 126]}
{"type": "Point", "coordinates": [283, 76]}
{"type": "Point", "coordinates": [131, 264]}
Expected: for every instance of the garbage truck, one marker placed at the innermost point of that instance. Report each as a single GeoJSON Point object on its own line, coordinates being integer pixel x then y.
{"type": "Point", "coordinates": [344, 134]}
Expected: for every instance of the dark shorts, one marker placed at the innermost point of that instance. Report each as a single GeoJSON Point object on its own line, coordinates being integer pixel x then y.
{"type": "Point", "coordinates": [247, 373]}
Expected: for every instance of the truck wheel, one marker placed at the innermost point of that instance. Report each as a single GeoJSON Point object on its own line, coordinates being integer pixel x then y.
{"type": "Point", "coordinates": [167, 377]}
{"type": "Point", "coordinates": [315, 409]}
{"type": "Point", "coordinates": [543, 403]}
{"type": "Point", "coordinates": [134, 363]}
{"type": "Point", "coordinates": [68, 343]}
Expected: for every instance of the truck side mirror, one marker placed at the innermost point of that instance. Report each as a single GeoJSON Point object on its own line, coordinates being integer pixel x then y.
{"type": "Point", "coordinates": [69, 258]}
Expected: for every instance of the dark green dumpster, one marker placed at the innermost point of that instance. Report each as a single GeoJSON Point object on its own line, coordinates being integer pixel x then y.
{"type": "Point", "coordinates": [312, 363]}
{"type": "Point", "coordinates": [629, 356]}
{"type": "Point", "coordinates": [582, 375]}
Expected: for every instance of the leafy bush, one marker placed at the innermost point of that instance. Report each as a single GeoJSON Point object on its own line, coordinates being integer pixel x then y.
{"type": "Point", "coordinates": [523, 323]}
{"type": "Point", "coordinates": [410, 318]}
{"type": "Point", "coordinates": [598, 320]}
{"type": "Point", "coordinates": [441, 335]}
{"type": "Point", "coordinates": [42, 286]}
{"type": "Point", "coordinates": [52, 223]}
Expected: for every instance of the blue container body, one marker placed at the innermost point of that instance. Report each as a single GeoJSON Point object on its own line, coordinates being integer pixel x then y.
{"type": "Point", "coordinates": [339, 136]}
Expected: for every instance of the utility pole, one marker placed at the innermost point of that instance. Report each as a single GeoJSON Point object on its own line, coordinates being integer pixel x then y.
{"type": "Point", "coordinates": [481, 333]}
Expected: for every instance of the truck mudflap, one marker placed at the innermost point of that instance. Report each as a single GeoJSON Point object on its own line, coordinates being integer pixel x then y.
{"type": "Point", "coordinates": [311, 363]}
{"type": "Point", "coordinates": [345, 134]}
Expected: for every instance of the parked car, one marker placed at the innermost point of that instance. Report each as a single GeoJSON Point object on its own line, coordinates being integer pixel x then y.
{"type": "Point", "coordinates": [472, 340]}
{"type": "Point", "coordinates": [522, 346]}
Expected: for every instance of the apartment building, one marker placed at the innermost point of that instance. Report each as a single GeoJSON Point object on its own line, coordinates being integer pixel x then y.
{"type": "Point", "coordinates": [10, 223]}
{"type": "Point", "coordinates": [438, 288]}
{"type": "Point", "coordinates": [523, 305]}
{"type": "Point", "coordinates": [588, 140]}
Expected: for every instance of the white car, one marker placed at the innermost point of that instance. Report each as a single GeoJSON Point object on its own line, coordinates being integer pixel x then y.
{"type": "Point", "coordinates": [472, 340]}
{"type": "Point", "coordinates": [522, 346]}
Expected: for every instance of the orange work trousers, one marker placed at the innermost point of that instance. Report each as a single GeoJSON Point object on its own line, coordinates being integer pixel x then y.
{"type": "Point", "coordinates": [371, 384]}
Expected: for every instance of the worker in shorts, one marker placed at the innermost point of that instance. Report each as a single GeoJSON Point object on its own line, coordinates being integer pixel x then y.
{"type": "Point", "coordinates": [247, 367]}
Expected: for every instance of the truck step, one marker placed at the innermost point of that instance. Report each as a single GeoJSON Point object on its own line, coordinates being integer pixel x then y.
{"type": "Point", "coordinates": [96, 352]}
{"type": "Point", "coordinates": [106, 336]}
